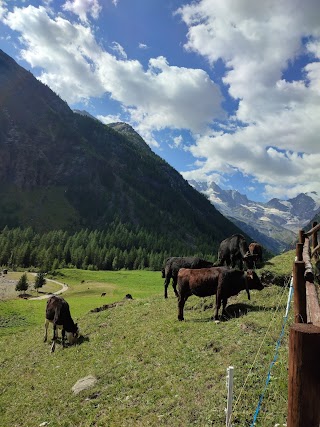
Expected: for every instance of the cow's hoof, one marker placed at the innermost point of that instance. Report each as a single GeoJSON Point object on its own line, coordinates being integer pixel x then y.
{"type": "Point", "coordinates": [180, 319]}
{"type": "Point", "coordinates": [217, 321]}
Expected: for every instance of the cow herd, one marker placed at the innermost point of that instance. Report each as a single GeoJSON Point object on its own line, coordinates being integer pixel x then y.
{"type": "Point", "coordinates": [196, 276]}
{"type": "Point", "coordinates": [190, 276]}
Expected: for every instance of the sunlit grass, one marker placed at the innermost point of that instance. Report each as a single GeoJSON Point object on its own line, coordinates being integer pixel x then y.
{"type": "Point", "coordinates": [151, 369]}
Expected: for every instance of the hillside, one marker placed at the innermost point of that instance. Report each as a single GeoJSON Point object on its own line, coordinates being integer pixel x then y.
{"type": "Point", "coordinates": [61, 169]}
{"type": "Point", "coordinates": [151, 369]}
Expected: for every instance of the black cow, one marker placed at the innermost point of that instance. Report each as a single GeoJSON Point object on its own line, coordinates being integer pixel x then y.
{"type": "Point", "coordinates": [172, 266]}
{"type": "Point", "coordinates": [219, 281]}
{"type": "Point", "coordinates": [233, 249]}
{"type": "Point", "coordinates": [58, 313]}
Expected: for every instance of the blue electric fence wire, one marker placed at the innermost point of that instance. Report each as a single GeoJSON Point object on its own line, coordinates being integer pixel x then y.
{"type": "Point", "coordinates": [274, 360]}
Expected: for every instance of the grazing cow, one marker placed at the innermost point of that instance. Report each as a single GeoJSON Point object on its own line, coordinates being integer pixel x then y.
{"type": "Point", "coordinates": [171, 268]}
{"type": "Point", "coordinates": [256, 250]}
{"type": "Point", "coordinates": [58, 313]}
{"type": "Point", "coordinates": [233, 249]}
{"type": "Point", "coordinates": [219, 281]}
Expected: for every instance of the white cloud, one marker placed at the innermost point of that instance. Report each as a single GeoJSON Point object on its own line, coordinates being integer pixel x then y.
{"type": "Point", "coordinates": [3, 9]}
{"type": "Point", "coordinates": [83, 8]}
{"type": "Point", "coordinates": [177, 142]}
{"type": "Point", "coordinates": [109, 118]}
{"type": "Point", "coordinates": [77, 68]}
{"type": "Point", "coordinates": [116, 47]}
{"type": "Point", "coordinates": [257, 41]}
{"type": "Point", "coordinates": [60, 49]}
{"type": "Point", "coordinates": [272, 134]}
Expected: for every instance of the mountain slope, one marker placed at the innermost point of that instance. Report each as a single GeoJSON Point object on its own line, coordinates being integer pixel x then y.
{"type": "Point", "coordinates": [61, 169]}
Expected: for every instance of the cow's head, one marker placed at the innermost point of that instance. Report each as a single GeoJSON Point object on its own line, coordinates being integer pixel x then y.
{"type": "Point", "coordinates": [249, 259]}
{"type": "Point", "coordinates": [253, 280]}
{"type": "Point", "coordinates": [73, 335]}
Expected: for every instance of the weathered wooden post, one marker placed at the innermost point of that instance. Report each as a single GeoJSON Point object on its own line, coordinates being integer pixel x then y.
{"type": "Point", "coordinates": [304, 376]}
{"type": "Point", "coordinates": [299, 287]}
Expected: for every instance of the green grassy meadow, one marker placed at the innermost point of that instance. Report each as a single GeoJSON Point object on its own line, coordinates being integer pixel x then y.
{"type": "Point", "coordinates": [151, 369]}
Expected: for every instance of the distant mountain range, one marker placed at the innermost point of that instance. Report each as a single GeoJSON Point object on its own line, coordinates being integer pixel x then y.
{"type": "Point", "coordinates": [275, 224]}
{"type": "Point", "coordinates": [61, 169]}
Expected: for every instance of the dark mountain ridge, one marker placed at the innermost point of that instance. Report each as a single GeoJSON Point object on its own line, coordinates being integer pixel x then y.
{"type": "Point", "coordinates": [64, 170]}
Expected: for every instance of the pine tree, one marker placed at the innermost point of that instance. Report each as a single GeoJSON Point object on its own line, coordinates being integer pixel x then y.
{"type": "Point", "coordinates": [39, 281]}
{"type": "Point", "coordinates": [22, 284]}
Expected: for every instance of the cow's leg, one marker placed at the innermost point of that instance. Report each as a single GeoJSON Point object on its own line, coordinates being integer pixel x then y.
{"type": "Point", "coordinates": [166, 284]}
{"type": "Point", "coordinates": [54, 332]}
{"type": "Point", "coordinates": [63, 334]}
{"type": "Point", "coordinates": [181, 302]}
{"type": "Point", "coordinates": [53, 346]}
{"type": "Point", "coordinates": [46, 323]}
{"type": "Point", "coordinates": [224, 304]}
{"type": "Point", "coordinates": [218, 305]}
{"type": "Point", "coordinates": [174, 285]}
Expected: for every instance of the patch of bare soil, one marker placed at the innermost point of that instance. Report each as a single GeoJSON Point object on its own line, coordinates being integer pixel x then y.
{"type": "Point", "coordinates": [7, 287]}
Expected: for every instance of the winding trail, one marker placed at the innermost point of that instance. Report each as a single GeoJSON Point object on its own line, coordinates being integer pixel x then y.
{"type": "Point", "coordinates": [64, 288]}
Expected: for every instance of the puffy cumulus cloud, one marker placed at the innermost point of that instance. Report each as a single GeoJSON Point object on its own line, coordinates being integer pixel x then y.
{"type": "Point", "coordinates": [60, 49]}
{"type": "Point", "coordinates": [77, 68]}
{"type": "Point", "coordinates": [83, 8]}
{"type": "Point", "coordinates": [258, 42]}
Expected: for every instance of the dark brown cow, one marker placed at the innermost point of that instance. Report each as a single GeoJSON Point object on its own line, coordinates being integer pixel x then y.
{"type": "Point", "coordinates": [172, 266]}
{"type": "Point", "coordinates": [256, 250]}
{"type": "Point", "coordinates": [58, 313]}
{"type": "Point", "coordinates": [219, 281]}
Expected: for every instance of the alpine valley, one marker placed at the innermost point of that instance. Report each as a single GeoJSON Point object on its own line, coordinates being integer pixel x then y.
{"type": "Point", "coordinates": [65, 170]}
{"type": "Point", "coordinates": [62, 170]}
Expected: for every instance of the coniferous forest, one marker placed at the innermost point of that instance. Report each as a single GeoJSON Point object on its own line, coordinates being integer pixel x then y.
{"type": "Point", "coordinates": [118, 247]}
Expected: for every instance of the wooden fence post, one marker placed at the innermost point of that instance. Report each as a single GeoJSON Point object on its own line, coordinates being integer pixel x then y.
{"type": "Point", "coordinates": [304, 376]}
{"type": "Point", "coordinates": [299, 288]}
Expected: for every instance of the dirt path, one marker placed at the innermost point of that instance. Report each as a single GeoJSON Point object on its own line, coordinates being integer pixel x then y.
{"type": "Point", "coordinates": [8, 283]}
{"type": "Point", "coordinates": [60, 291]}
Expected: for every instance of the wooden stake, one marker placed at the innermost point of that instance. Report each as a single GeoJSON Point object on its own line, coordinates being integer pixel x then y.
{"type": "Point", "coordinates": [299, 287]}
{"type": "Point", "coordinates": [304, 376]}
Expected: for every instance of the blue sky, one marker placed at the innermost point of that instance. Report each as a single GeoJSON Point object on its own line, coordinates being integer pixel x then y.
{"type": "Point", "coordinates": [225, 91]}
